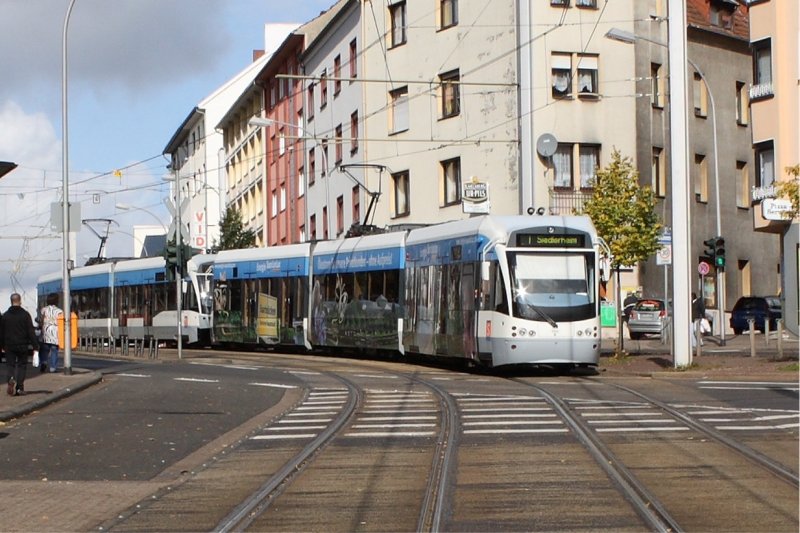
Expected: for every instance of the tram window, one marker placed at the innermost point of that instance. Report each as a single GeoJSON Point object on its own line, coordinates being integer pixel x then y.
{"type": "Point", "coordinates": [391, 289]}
{"type": "Point", "coordinates": [361, 291]}
{"type": "Point", "coordinates": [499, 291]}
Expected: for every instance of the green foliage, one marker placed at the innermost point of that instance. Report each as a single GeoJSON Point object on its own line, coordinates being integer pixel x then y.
{"type": "Point", "coordinates": [791, 189]}
{"type": "Point", "coordinates": [232, 233]}
{"type": "Point", "coordinates": [623, 212]}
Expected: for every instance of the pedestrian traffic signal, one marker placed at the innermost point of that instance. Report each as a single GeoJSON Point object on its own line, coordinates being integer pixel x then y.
{"type": "Point", "coordinates": [719, 252]}
{"type": "Point", "coordinates": [711, 247]}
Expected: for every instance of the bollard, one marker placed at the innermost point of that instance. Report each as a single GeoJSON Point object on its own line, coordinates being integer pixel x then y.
{"type": "Point", "coordinates": [780, 338]}
{"type": "Point", "coordinates": [766, 331]}
{"type": "Point", "coordinates": [751, 326]}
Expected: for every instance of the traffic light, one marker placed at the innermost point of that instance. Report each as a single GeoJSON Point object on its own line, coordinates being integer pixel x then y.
{"type": "Point", "coordinates": [711, 248]}
{"type": "Point", "coordinates": [171, 259]}
{"type": "Point", "coordinates": [719, 252]}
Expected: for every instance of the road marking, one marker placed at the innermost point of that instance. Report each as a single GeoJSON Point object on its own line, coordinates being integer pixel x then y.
{"type": "Point", "coordinates": [625, 430]}
{"type": "Point", "coordinates": [793, 389]}
{"type": "Point", "coordinates": [507, 431]}
{"type": "Point", "coordinates": [375, 376]}
{"type": "Point", "coordinates": [274, 385]}
{"type": "Point", "coordinates": [197, 380]}
{"type": "Point", "coordinates": [387, 426]}
{"type": "Point", "coordinates": [503, 414]}
{"type": "Point", "coordinates": [392, 434]}
{"type": "Point", "coordinates": [282, 437]}
{"type": "Point", "coordinates": [125, 375]}
{"type": "Point", "coordinates": [385, 418]}
{"type": "Point", "coordinates": [513, 423]}
{"type": "Point", "coordinates": [778, 383]}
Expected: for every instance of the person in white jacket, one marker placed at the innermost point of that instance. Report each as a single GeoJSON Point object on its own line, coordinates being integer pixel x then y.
{"type": "Point", "coordinates": [48, 320]}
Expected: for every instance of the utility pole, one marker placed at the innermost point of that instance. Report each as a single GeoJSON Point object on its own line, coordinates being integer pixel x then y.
{"type": "Point", "coordinates": [179, 261]}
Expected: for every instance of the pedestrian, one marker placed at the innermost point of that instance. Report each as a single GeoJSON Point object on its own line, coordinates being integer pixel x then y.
{"type": "Point", "coordinates": [16, 338]}
{"type": "Point", "coordinates": [627, 305]}
{"type": "Point", "coordinates": [48, 317]}
{"type": "Point", "coordinates": [48, 349]}
{"type": "Point", "coordinates": [698, 313]}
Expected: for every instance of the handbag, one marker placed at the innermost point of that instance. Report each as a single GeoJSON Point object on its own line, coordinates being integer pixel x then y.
{"type": "Point", "coordinates": [35, 358]}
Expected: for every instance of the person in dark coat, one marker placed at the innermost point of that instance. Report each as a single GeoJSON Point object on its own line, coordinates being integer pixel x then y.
{"type": "Point", "coordinates": [698, 313]}
{"type": "Point", "coordinates": [17, 336]}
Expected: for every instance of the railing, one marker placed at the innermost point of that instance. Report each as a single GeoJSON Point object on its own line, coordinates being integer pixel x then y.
{"type": "Point", "coordinates": [565, 202]}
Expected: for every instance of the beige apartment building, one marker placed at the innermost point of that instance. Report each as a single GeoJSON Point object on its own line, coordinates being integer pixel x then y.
{"type": "Point", "coordinates": [775, 114]}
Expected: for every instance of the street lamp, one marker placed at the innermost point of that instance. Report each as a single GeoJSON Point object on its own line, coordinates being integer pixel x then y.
{"type": "Point", "coordinates": [678, 126]}
{"type": "Point", "coordinates": [6, 167]}
{"type": "Point", "coordinates": [67, 303]}
{"type": "Point", "coordinates": [127, 207]}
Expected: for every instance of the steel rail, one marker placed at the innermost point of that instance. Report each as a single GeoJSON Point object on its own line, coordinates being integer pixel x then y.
{"type": "Point", "coordinates": [251, 508]}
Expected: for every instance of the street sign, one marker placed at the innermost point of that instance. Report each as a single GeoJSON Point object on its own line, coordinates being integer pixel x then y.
{"type": "Point", "coordinates": [664, 255]}
{"type": "Point", "coordinates": [703, 268]}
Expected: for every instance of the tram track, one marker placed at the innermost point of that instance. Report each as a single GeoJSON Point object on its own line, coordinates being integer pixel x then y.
{"type": "Point", "coordinates": [658, 501]}
{"type": "Point", "coordinates": [311, 461]}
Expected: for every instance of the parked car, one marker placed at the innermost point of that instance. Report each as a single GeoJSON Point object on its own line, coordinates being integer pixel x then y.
{"type": "Point", "coordinates": [760, 309]}
{"type": "Point", "coordinates": [648, 316]}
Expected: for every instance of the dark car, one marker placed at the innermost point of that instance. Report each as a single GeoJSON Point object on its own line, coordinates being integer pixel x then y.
{"type": "Point", "coordinates": [648, 316]}
{"type": "Point", "coordinates": [760, 309]}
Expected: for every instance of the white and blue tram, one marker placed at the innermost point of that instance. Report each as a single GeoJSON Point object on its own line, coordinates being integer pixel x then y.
{"type": "Point", "coordinates": [504, 290]}
{"type": "Point", "coordinates": [491, 290]}
{"type": "Point", "coordinates": [132, 299]}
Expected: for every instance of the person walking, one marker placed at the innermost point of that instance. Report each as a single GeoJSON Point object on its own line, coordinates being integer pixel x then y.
{"type": "Point", "coordinates": [16, 338]}
{"type": "Point", "coordinates": [698, 313]}
{"type": "Point", "coordinates": [48, 318]}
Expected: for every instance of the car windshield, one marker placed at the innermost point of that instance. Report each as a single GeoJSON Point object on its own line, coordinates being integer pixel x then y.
{"type": "Point", "coordinates": [751, 303]}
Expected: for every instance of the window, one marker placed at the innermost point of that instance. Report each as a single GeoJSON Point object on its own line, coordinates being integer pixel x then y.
{"type": "Point", "coordinates": [325, 222]}
{"type": "Point", "coordinates": [310, 101]}
{"type": "Point", "coordinates": [399, 110]}
{"type": "Point", "coordinates": [353, 59]}
{"type": "Point", "coordinates": [585, 3]}
{"type": "Point", "coordinates": [312, 167]}
{"type": "Point", "coordinates": [356, 205]}
{"type": "Point", "coordinates": [301, 183]}
{"type": "Point", "coordinates": [721, 14]}
{"type": "Point", "coordinates": [337, 75]}
{"type": "Point", "coordinates": [765, 159]}
{"type": "Point", "coordinates": [274, 202]}
{"type": "Point", "coordinates": [700, 94]}
{"type": "Point", "coordinates": [337, 139]}
{"type": "Point", "coordinates": [745, 277]}
{"type": "Point", "coordinates": [323, 89]}
{"type": "Point", "coordinates": [742, 185]}
{"type": "Point", "coordinates": [450, 92]}
{"type": "Point", "coordinates": [587, 75]}
{"type": "Point", "coordinates": [324, 171]}
{"type": "Point", "coordinates": [742, 104]}
{"type": "Point", "coordinates": [659, 172]}
{"type": "Point", "coordinates": [656, 85]}
{"type": "Point", "coordinates": [448, 13]}
{"type": "Point", "coordinates": [559, 3]}
{"type": "Point", "coordinates": [353, 132]}
{"type": "Point", "coordinates": [339, 215]}
{"type": "Point", "coordinates": [562, 166]}
{"type": "Point", "coordinates": [400, 194]}
{"type": "Point", "coordinates": [701, 178]}
{"type": "Point", "coordinates": [312, 227]}
{"type": "Point", "coordinates": [762, 69]}
{"type": "Point", "coordinates": [397, 14]}
{"type": "Point", "coordinates": [561, 65]}
{"type": "Point", "coordinates": [450, 190]}
{"type": "Point", "coordinates": [589, 160]}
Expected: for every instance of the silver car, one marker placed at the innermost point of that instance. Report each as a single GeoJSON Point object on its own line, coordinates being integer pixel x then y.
{"type": "Point", "coordinates": [648, 316]}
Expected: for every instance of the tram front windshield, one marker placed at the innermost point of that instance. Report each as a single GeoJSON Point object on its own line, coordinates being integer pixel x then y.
{"type": "Point", "coordinates": [556, 287]}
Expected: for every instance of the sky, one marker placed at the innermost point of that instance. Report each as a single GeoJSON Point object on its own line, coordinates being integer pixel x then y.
{"type": "Point", "coordinates": [136, 69]}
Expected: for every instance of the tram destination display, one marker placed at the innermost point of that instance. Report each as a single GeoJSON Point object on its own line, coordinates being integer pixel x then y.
{"type": "Point", "coordinates": [548, 240]}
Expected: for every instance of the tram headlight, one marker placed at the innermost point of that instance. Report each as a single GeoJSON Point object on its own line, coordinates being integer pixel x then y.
{"type": "Point", "coordinates": [588, 332]}
{"type": "Point", "coordinates": [579, 333]}
{"type": "Point", "coordinates": [522, 332]}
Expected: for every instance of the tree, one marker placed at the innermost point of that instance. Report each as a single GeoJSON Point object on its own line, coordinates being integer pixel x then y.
{"type": "Point", "coordinates": [791, 189]}
{"type": "Point", "coordinates": [232, 234]}
{"type": "Point", "coordinates": [623, 212]}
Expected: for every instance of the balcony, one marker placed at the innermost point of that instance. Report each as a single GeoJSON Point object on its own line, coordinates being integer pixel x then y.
{"type": "Point", "coordinates": [762, 90]}
{"type": "Point", "coordinates": [567, 202]}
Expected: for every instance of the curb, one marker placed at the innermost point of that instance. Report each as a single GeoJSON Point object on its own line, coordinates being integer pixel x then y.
{"type": "Point", "coordinates": [28, 407]}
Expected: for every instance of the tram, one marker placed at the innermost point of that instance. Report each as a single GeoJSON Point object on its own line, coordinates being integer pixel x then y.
{"type": "Point", "coordinates": [491, 290]}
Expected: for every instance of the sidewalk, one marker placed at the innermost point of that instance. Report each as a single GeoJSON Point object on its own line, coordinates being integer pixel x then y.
{"type": "Point", "coordinates": [734, 360]}
{"type": "Point", "coordinates": [44, 389]}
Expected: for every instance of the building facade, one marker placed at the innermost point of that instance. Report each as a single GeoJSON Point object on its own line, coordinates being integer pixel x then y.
{"type": "Point", "coordinates": [721, 161]}
{"type": "Point", "coordinates": [775, 113]}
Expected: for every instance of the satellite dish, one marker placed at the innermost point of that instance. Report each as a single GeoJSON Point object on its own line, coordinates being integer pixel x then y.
{"type": "Point", "coordinates": [546, 145]}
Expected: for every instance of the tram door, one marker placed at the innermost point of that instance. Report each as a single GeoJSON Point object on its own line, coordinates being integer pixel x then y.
{"type": "Point", "coordinates": [468, 314]}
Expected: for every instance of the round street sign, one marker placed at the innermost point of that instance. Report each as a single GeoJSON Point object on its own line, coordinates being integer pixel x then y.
{"type": "Point", "coordinates": [703, 268]}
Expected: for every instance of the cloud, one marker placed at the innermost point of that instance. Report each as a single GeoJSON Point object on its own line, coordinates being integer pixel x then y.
{"type": "Point", "coordinates": [121, 45]}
